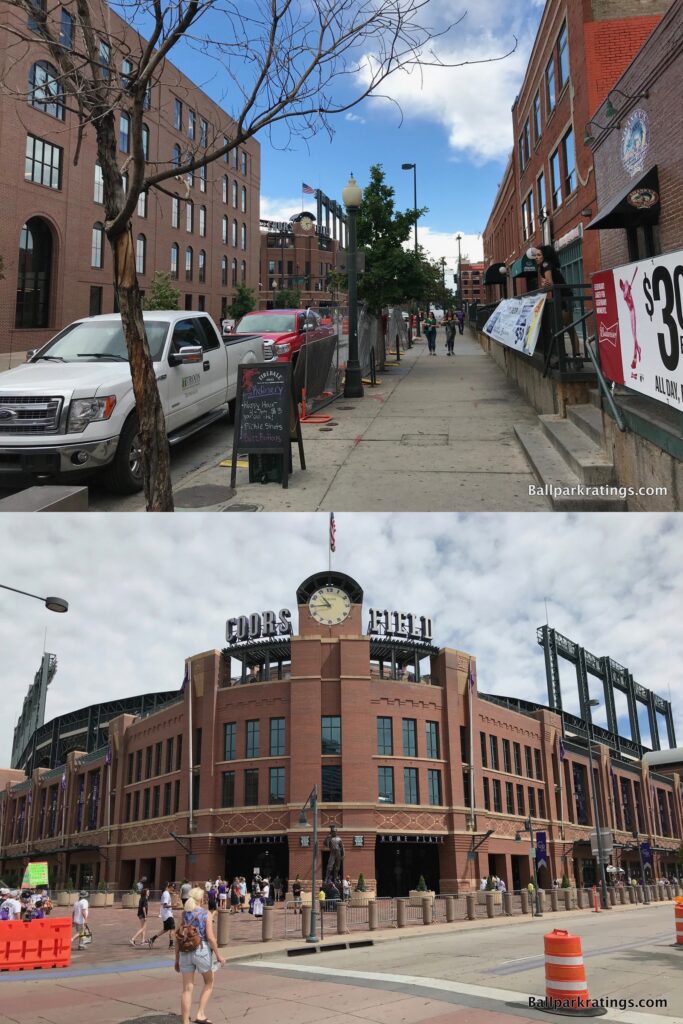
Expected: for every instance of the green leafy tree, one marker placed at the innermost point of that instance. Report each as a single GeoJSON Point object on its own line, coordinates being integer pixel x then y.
{"type": "Point", "coordinates": [162, 294]}
{"type": "Point", "coordinates": [422, 885]}
{"type": "Point", "coordinates": [243, 301]}
{"type": "Point", "coordinates": [360, 884]}
{"type": "Point", "coordinates": [288, 298]}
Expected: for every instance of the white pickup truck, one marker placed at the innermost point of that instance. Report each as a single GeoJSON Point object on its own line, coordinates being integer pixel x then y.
{"type": "Point", "coordinates": [71, 407]}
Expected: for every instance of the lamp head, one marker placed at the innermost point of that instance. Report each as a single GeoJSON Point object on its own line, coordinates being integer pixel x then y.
{"type": "Point", "coordinates": [303, 820]}
{"type": "Point", "coordinates": [518, 837]}
{"type": "Point", "coordinates": [610, 110]}
{"type": "Point", "coordinates": [407, 167]}
{"type": "Point", "coordinates": [351, 194]}
{"type": "Point", "coordinates": [56, 604]}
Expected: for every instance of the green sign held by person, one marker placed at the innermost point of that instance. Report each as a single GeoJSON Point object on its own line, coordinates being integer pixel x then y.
{"type": "Point", "coordinates": [35, 875]}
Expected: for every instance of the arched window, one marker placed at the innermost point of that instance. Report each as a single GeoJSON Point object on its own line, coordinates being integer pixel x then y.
{"type": "Point", "coordinates": [234, 273]}
{"type": "Point", "coordinates": [34, 275]}
{"type": "Point", "coordinates": [124, 133]}
{"type": "Point", "coordinates": [140, 253]}
{"type": "Point", "coordinates": [234, 194]}
{"type": "Point", "coordinates": [177, 155]}
{"type": "Point", "coordinates": [44, 90]}
{"type": "Point", "coordinates": [224, 271]}
{"type": "Point", "coordinates": [189, 215]}
{"type": "Point", "coordinates": [225, 188]}
{"type": "Point", "coordinates": [145, 141]}
{"type": "Point", "coordinates": [244, 199]}
{"type": "Point", "coordinates": [202, 221]}
{"type": "Point", "coordinates": [224, 233]}
{"type": "Point", "coordinates": [234, 234]}
{"type": "Point", "coordinates": [201, 266]}
{"type": "Point", "coordinates": [175, 253]}
{"type": "Point", "coordinates": [142, 204]}
{"type": "Point", "coordinates": [97, 246]}
{"type": "Point", "coordinates": [243, 269]}
{"type": "Point", "coordinates": [243, 237]}
{"type": "Point", "coordinates": [189, 257]}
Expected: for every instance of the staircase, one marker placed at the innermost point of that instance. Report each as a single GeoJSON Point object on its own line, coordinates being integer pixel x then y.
{"type": "Point", "coordinates": [568, 453]}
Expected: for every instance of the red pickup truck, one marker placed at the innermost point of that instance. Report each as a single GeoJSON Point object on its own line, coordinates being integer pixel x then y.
{"type": "Point", "coordinates": [284, 331]}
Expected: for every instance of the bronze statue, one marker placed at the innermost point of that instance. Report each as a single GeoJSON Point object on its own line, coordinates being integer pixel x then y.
{"type": "Point", "coordinates": [335, 846]}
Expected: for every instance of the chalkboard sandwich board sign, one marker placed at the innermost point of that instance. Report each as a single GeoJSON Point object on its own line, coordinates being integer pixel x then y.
{"type": "Point", "coordinates": [266, 416]}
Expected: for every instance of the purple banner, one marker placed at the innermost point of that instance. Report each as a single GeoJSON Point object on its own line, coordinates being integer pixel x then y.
{"type": "Point", "coordinates": [646, 853]}
{"type": "Point", "coordinates": [541, 850]}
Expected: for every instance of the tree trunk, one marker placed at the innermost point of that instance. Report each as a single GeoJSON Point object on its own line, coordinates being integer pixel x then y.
{"type": "Point", "coordinates": [155, 451]}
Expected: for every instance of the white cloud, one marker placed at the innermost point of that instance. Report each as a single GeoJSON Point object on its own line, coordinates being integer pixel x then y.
{"type": "Point", "coordinates": [275, 208]}
{"type": "Point", "coordinates": [354, 118]}
{"type": "Point", "coordinates": [145, 594]}
{"type": "Point", "coordinates": [443, 243]}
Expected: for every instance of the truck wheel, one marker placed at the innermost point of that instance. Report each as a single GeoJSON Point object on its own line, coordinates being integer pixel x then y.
{"type": "Point", "coordinates": [124, 475]}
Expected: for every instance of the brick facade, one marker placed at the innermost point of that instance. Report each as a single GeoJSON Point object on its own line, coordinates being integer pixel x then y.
{"type": "Point", "coordinates": [232, 192]}
{"type": "Point", "coordinates": [403, 809]}
{"type": "Point", "coordinates": [300, 259]}
{"type": "Point", "coordinates": [471, 288]}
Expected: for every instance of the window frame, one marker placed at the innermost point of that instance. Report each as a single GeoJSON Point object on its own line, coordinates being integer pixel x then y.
{"type": "Point", "coordinates": [97, 247]}
{"type": "Point", "coordinates": [550, 86]}
{"type": "Point", "coordinates": [382, 721]}
{"type": "Point", "coordinates": [386, 792]}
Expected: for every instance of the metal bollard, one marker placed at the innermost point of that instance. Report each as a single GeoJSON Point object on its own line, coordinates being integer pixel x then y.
{"type": "Point", "coordinates": [427, 910]}
{"type": "Point", "coordinates": [646, 894]}
{"type": "Point", "coordinates": [490, 904]}
{"type": "Point", "coordinates": [581, 899]}
{"type": "Point", "coordinates": [450, 908]}
{"type": "Point", "coordinates": [372, 915]}
{"type": "Point", "coordinates": [622, 896]}
{"type": "Point", "coordinates": [471, 900]}
{"type": "Point", "coordinates": [223, 928]}
{"type": "Point", "coordinates": [305, 920]}
{"type": "Point", "coordinates": [554, 899]}
{"type": "Point", "coordinates": [632, 894]}
{"type": "Point", "coordinates": [612, 896]}
{"type": "Point", "coordinates": [507, 904]}
{"type": "Point", "coordinates": [342, 927]}
{"type": "Point", "coordinates": [524, 899]}
{"type": "Point", "coordinates": [668, 890]}
{"type": "Point", "coordinates": [267, 924]}
{"type": "Point", "coordinates": [401, 912]}
{"type": "Point", "coordinates": [567, 899]}
{"type": "Point", "coordinates": [541, 900]}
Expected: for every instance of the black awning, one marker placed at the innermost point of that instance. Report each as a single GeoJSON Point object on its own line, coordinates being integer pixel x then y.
{"type": "Point", "coordinates": [493, 275]}
{"type": "Point", "coordinates": [639, 203]}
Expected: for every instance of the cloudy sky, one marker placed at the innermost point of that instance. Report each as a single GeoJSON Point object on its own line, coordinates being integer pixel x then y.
{"type": "Point", "coordinates": [147, 591]}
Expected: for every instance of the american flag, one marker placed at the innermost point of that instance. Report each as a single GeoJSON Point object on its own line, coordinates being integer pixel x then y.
{"type": "Point", "coordinates": [307, 190]}
{"type": "Point", "coordinates": [333, 533]}
{"type": "Point", "coordinates": [470, 675]}
{"type": "Point", "coordinates": [561, 749]}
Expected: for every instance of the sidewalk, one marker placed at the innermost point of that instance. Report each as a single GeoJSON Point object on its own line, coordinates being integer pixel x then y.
{"type": "Point", "coordinates": [437, 434]}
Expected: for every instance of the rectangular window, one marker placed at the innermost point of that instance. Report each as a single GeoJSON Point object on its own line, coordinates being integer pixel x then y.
{"type": "Point", "coordinates": [569, 163]}
{"type": "Point", "coordinates": [253, 743]}
{"type": "Point", "coordinates": [202, 178]}
{"type": "Point", "coordinates": [550, 86]}
{"type": "Point", "coordinates": [433, 745]}
{"type": "Point", "coordinates": [167, 798]}
{"type": "Point", "coordinates": [124, 133]}
{"type": "Point", "coordinates": [127, 814]}
{"type": "Point", "coordinates": [43, 163]}
{"type": "Point", "coordinates": [385, 785]}
{"type": "Point", "coordinates": [537, 764]}
{"type": "Point", "coordinates": [175, 213]}
{"type": "Point", "coordinates": [517, 753]}
{"type": "Point", "coordinates": [189, 216]}
{"type": "Point", "coordinates": [520, 801]}
{"type": "Point", "coordinates": [277, 737]}
{"type": "Point", "coordinates": [276, 786]}
{"type": "Point", "coordinates": [509, 798]}
{"type": "Point", "coordinates": [228, 790]}
{"type": "Point", "coordinates": [169, 754]}
{"type": "Point", "coordinates": [191, 124]}
{"type": "Point", "coordinates": [203, 133]}
{"type": "Point", "coordinates": [563, 57]}
{"type": "Point", "coordinates": [138, 765]}
{"type": "Point", "coordinates": [528, 763]}
{"type": "Point", "coordinates": [507, 763]}
{"type": "Point", "coordinates": [40, 6]}
{"type": "Point", "coordinates": [487, 795]}
{"type": "Point", "coordinates": [148, 763]}
{"type": "Point", "coordinates": [98, 193]}
{"type": "Point", "coordinates": [197, 747]}
{"type": "Point", "coordinates": [464, 745]}
{"type": "Point", "coordinates": [537, 117]}
{"type": "Point", "coordinates": [541, 804]}
{"type": "Point", "coordinates": [157, 758]}
{"type": "Point", "coordinates": [385, 740]}
{"type": "Point", "coordinates": [142, 204]}
{"type": "Point", "coordinates": [532, 802]}
{"type": "Point", "coordinates": [330, 726]}
{"type": "Point", "coordinates": [555, 180]}
{"type": "Point", "coordinates": [332, 783]}
{"type": "Point", "coordinates": [178, 115]}
{"type": "Point", "coordinates": [136, 805]}
{"type": "Point", "coordinates": [105, 57]}
{"type": "Point", "coordinates": [482, 744]}
{"type": "Point", "coordinates": [434, 785]}
{"type": "Point", "coordinates": [95, 299]}
{"type": "Point", "coordinates": [410, 786]}
{"type": "Point", "coordinates": [66, 30]}
{"type": "Point", "coordinates": [541, 193]}
{"type": "Point", "coordinates": [497, 802]}
{"type": "Point", "coordinates": [156, 793]}
{"type": "Point", "coordinates": [176, 796]}
{"type": "Point", "coordinates": [493, 740]}
{"type": "Point", "coordinates": [251, 787]}
{"type": "Point", "coordinates": [409, 737]}
{"type": "Point", "coordinates": [129, 774]}
{"type": "Point", "coordinates": [179, 752]}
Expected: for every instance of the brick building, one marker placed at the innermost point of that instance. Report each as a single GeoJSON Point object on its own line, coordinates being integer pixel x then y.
{"type": "Point", "coordinates": [395, 733]}
{"type": "Point", "coordinates": [471, 287]}
{"type": "Point", "coordinates": [501, 236]}
{"type": "Point", "coordinates": [579, 53]}
{"type": "Point", "coordinates": [57, 263]}
{"type": "Point", "coordinates": [299, 255]}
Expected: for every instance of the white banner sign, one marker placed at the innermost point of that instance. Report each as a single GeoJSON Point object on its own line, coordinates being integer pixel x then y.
{"type": "Point", "coordinates": [639, 312]}
{"type": "Point", "coordinates": [517, 322]}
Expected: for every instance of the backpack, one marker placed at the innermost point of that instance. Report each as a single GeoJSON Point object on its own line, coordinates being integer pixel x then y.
{"type": "Point", "coordinates": [4, 913]}
{"type": "Point", "coordinates": [188, 938]}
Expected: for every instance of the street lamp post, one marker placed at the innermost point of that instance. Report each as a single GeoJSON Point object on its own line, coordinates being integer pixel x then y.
{"type": "Point", "coordinates": [353, 385]}
{"type": "Point", "coordinates": [53, 604]}
{"type": "Point", "coordinates": [312, 802]}
{"type": "Point", "coordinates": [594, 703]}
{"type": "Point", "coordinates": [528, 827]}
{"type": "Point", "coordinates": [413, 168]}
{"type": "Point", "coordinates": [458, 239]}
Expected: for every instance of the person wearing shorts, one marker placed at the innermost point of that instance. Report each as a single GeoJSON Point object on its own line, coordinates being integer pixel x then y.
{"type": "Point", "coordinates": [205, 959]}
{"type": "Point", "coordinates": [80, 919]}
{"type": "Point", "coordinates": [166, 915]}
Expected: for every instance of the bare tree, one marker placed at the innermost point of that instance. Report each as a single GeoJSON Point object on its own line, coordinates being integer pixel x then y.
{"type": "Point", "coordinates": [285, 63]}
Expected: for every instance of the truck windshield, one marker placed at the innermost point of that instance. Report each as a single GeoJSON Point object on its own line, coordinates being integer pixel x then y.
{"type": "Point", "coordinates": [266, 323]}
{"type": "Point", "coordinates": [100, 340]}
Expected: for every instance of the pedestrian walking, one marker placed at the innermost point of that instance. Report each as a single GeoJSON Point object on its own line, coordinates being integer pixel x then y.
{"type": "Point", "coordinates": [80, 918]}
{"type": "Point", "coordinates": [185, 890]}
{"type": "Point", "coordinates": [212, 896]}
{"type": "Point", "coordinates": [460, 317]}
{"type": "Point", "coordinates": [143, 910]}
{"type": "Point", "coordinates": [430, 333]}
{"type": "Point", "coordinates": [243, 894]}
{"type": "Point", "coordinates": [449, 324]}
{"type": "Point", "coordinates": [196, 950]}
{"type": "Point", "coordinates": [296, 893]}
{"type": "Point", "coordinates": [166, 915]}
{"type": "Point", "coordinates": [346, 889]}
{"type": "Point", "coordinates": [222, 893]}
{"type": "Point", "coordinates": [234, 896]}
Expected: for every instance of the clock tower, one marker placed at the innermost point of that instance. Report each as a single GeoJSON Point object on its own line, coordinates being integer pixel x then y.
{"type": "Point", "coordinates": [330, 605]}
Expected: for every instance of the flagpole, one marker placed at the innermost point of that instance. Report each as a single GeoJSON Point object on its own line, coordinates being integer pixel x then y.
{"type": "Point", "coordinates": [65, 790]}
{"type": "Point", "coordinates": [189, 746]}
{"type": "Point", "coordinates": [470, 686]}
{"type": "Point", "coordinates": [561, 774]}
{"type": "Point", "coordinates": [108, 807]}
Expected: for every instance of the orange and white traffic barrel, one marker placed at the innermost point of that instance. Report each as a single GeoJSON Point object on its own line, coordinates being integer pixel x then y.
{"type": "Point", "coordinates": [566, 987]}
{"type": "Point", "coordinates": [678, 912]}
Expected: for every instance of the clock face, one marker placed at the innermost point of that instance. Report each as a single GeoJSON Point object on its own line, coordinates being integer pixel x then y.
{"type": "Point", "coordinates": [329, 605]}
{"type": "Point", "coordinates": [306, 223]}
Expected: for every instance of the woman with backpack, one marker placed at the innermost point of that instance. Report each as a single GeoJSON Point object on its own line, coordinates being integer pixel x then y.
{"type": "Point", "coordinates": [196, 950]}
